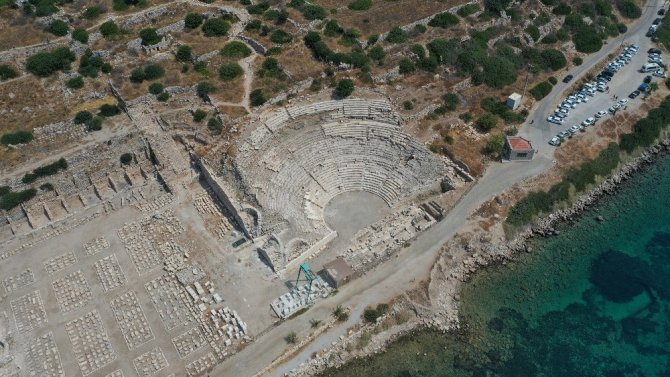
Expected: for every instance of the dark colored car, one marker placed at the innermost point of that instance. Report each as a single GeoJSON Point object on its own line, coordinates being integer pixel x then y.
{"type": "Point", "coordinates": [568, 78]}
{"type": "Point", "coordinates": [653, 51]}
{"type": "Point", "coordinates": [634, 94]}
{"type": "Point", "coordinates": [657, 21]}
{"type": "Point", "coordinates": [647, 80]}
{"type": "Point", "coordinates": [661, 12]}
{"type": "Point", "coordinates": [607, 73]}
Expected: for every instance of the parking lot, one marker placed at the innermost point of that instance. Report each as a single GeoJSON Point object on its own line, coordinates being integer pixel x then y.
{"type": "Point", "coordinates": [626, 80]}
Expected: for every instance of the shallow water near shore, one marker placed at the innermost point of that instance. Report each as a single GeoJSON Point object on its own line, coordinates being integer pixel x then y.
{"type": "Point", "coordinates": [594, 301]}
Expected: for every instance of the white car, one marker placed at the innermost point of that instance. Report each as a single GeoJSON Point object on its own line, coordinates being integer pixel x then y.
{"type": "Point", "coordinates": [601, 114]}
{"type": "Point", "coordinates": [660, 73]}
{"type": "Point", "coordinates": [563, 110]}
{"type": "Point", "coordinates": [555, 141]}
{"type": "Point", "coordinates": [583, 97]}
{"type": "Point", "coordinates": [612, 110]}
{"type": "Point", "coordinates": [555, 120]}
{"type": "Point", "coordinates": [623, 101]}
{"type": "Point", "coordinates": [568, 105]}
{"type": "Point", "coordinates": [574, 129]}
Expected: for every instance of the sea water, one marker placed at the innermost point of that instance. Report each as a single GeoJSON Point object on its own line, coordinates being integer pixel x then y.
{"type": "Point", "coordinates": [593, 301]}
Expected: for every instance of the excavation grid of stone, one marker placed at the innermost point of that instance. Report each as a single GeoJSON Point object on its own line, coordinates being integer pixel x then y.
{"type": "Point", "coordinates": [201, 364]}
{"type": "Point", "coordinates": [43, 358]}
{"type": "Point", "coordinates": [170, 301]}
{"type": "Point", "coordinates": [131, 319]}
{"type": "Point", "coordinates": [116, 373]}
{"type": "Point", "coordinates": [29, 312]}
{"type": "Point", "coordinates": [18, 281]}
{"type": "Point", "coordinates": [150, 363]}
{"type": "Point", "coordinates": [72, 291]}
{"type": "Point", "coordinates": [60, 262]}
{"type": "Point", "coordinates": [90, 343]}
{"type": "Point", "coordinates": [96, 245]}
{"type": "Point", "coordinates": [189, 342]}
{"type": "Point", "coordinates": [109, 273]}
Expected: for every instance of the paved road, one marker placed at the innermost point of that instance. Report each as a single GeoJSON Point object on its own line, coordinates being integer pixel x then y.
{"type": "Point", "coordinates": [415, 262]}
{"type": "Point", "coordinates": [624, 82]}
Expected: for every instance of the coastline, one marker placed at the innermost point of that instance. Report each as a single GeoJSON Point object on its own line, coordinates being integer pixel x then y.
{"type": "Point", "coordinates": [442, 315]}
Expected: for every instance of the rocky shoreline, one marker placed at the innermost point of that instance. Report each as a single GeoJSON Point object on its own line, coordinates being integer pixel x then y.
{"type": "Point", "coordinates": [444, 316]}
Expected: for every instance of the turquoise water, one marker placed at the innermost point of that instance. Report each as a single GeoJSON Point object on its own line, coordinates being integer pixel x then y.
{"type": "Point", "coordinates": [594, 301]}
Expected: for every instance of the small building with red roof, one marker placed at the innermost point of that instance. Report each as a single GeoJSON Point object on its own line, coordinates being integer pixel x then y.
{"type": "Point", "coordinates": [517, 149]}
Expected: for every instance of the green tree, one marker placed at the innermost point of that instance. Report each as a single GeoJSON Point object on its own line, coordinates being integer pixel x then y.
{"type": "Point", "coordinates": [406, 66]}
{"type": "Point", "coordinates": [83, 117]}
{"type": "Point", "coordinates": [541, 90]}
{"type": "Point", "coordinates": [163, 96]}
{"type": "Point", "coordinates": [444, 20]}
{"type": "Point", "coordinates": [18, 137]}
{"type": "Point", "coordinates": [498, 72]}
{"type": "Point", "coordinates": [92, 13]}
{"type": "Point", "coordinates": [313, 12]}
{"type": "Point", "coordinates": [80, 35]}
{"type": "Point", "coordinates": [95, 124]}
{"type": "Point", "coordinates": [44, 64]}
{"type": "Point", "coordinates": [396, 35]}
{"type": "Point", "coordinates": [494, 146]}
{"type": "Point", "coordinates": [204, 88]}
{"type": "Point", "coordinates": [487, 122]}
{"type": "Point", "coordinates": [377, 53]}
{"type": "Point", "coordinates": [184, 53]}
{"type": "Point", "coordinates": [214, 125]}
{"type": "Point", "coordinates": [628, 8]}
{"type": "Point", "coordinates": [291, 337]}
{"type": "Point", "coordinates": [235, 49]}
{"type": "Point", "coordinates": [230, 71]}
{"type": "Point", "coordinates": [370, 315]}
{"type": "Point", "coordinates": [587, 40]}
{"type": "Point", "coordinates": [215, 27]}
{"type": "Point", "coordinates": [153, 71]}
{"type": "Point", "coordinates": [193, 20]}
{"type": "Point", "coordinates": [58, 27]}
{"type": "Point", "coordinates": [109, 29]}
{"type": "Point", "coordinates": [150, 36]}
{"type": "Point", "coordinates": [109, 110]}
{"type": "Point", "coordinates": [533, 31]}
{"type": "Point", "coordinates": [344, 88]}
{"type": "Point", "coordinates": [281, 37]}
{"type": "Point", "coordinates": [451, 101]}
{"type": "Point", "coordinates": [554, 59]}
{"type": "Point", "coordinates": [137, 75]}
{"type": "Point", "coordinates": [126, 158]}
{"type": "Point", "coordinates": [360, 5]}
{"type": "Point", "coordinates": [256, 97]}
{"type": "Point", "coordinates": [199, 115]}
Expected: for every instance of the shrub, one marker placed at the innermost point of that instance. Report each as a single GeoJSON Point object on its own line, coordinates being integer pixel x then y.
{"type": "Point", "coordinates": [7, 72]}
{"type": "Point", "coordinates": [92, 12]}
{"type": "Point", "coordinates": [75, 83]}
{"type": "Point", "coordinates": [406, 66]}
{"type": "Point", "coordinates": [562, 9]}
{"type": "Point", "coordinates": [408, 105]}
{"type": "Point", "coordinates": [235, 49]}
{"type": "Point", "coordinates": [45, 170]}
{"type": "Point", "coordinates": [199, 115]}
{"type": "Point", "coordinates": [628, 8]}
{"type": "Point", "coordinates": [83, 117]}
{"type": "Point", "coordinates": [184, 53]}
{"type": "Point", "coordinates": [156, 88]}
{"type": "Point", "coordinates": [94, 124]}
{"type": "Point", "coordinates": [80, 35]}
{"type": "Point", "coordinates": [281, 37]}
{"type": "Point", "coordinates": [258, 8]}
{"type": "Point", "coordinates": [577, 60]}
{"type": "Point", "coordinates": [533, 31]}
{"type": "Point", "coordinates": [468, 10]}
{"type": "Point", "coordinates": [215, 27]}
{"type": "Point", "coordinates": [150, 36]}
{"type": "Point", "coordinates": [137, 75]}
{"type": "Point", "coordinates": [487, 122]}
{"type": "Point", "coordinates": [58, 27]}
{"type": "Point", "coordinates": [494, 7]}
{"type": "Point", "coordinates": [360, 5]}
{"type": "Point", "coordinates": [126, 158]}
{"type": "Point", "coordinates": [344, 88]}
{"type": "Point", "coordinates": [214, 125]}
{"type": "Point", "coordinates": [162, 97]}
{"type": "Point", "coordinates": [109, 110]}
{"type": "Point", "coordinates": [396, 35]}
{"type": "Point", "coordinates": [18, 137]}
{"type": "Point", "coordinates": [377, 53]}
{"type": "Point", "coordinates": [44, 64]}
{"type": "Point", "coordinates": [256, 97]}
{"type": "Point", "coordinates": [370, 315]}
{"type": "Point", "coordinates": [153, 71]}
{"type": "Point", "coordinates": [253, 25]}
{"type": "Point", "coordinates": [313, 12]}
{"type": "Point", "coordinates": [47, 187]}
{"type": "Point", "coordinates": [193, 20]}
{"type": "Point", "coordinates": [498, 72]}
{"type": "Point", "coordinates": [494, 146]}
{"type": "Point", "coordinates": [109, 30]}
{"type": "Point", "coordinates": [549, 39]}
{"type": "Point", "coordinates": [444, 20]}
{"type": "Point", "coordinates": [553, 80]}
{"type": "Point", "coordinates": [291, 337]}
{"type": "Point", "coordinates": [230, 71]}
{"type": "Point", "coordinates": [90, 65]}
{"type": "Point", "coordinates": [271, 68]}
{"type": "Point", "coordinates": [204, 88]}
{"type": "Point", "coordinates": [541, 90]}
{"type": "Point", "coordinates": [340, 314]}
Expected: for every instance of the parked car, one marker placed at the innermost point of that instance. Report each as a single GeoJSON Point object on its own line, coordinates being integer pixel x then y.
{"type": "Point", "coordinates": [568, 78]}
{"type": "Point", "coordinates": [661, 12]}
{"type": "Point", "coordinates": [647, 79]}
{"type": "Point", "coordinates": [574, 129]}
{"type": "Point", "coordinates": [601, 114]}
{"type": "Point", "coordinates": [643, 87]}
{"type": "Point", "coordinates": [560, 115]}
{"type": "Point", "coordinates": [657, 21]}
{"type": "Point", "coordinates": [555, 141]}
{"type": "Point", "coordinates": [589, 121]}
{"type": "Point", "coordinates": [654, 50]}
{"type": "Point", "coordinates": [563, 111]}
{"type": "Point", "coordinates": [563, 134]}
{"type": "Point", "coordinates": [555, 120]}
{"type": "Point", "coordinates": [660, 73]}
{"type": "Point", "coordinates": [612, 110]}
{"type": "Point", "coordinates": [623, 102]}
{"type": "Point", "coordinates": [634, 94]}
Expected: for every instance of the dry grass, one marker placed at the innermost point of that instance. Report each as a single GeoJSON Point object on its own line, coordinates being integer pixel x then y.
{"type": "Point", "coordinates": [17, 30]}
{"type": "Point", "coordinates": [385, 14]}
